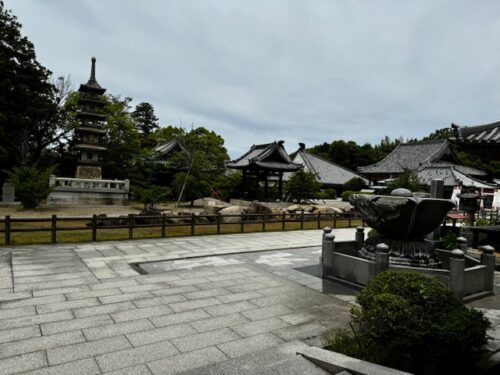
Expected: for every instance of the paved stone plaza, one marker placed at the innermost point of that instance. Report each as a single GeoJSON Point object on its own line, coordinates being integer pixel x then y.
{"type": "Point", "coordinates": [231, 304]}
{"type": "Point", "coordinates": [82, 309]}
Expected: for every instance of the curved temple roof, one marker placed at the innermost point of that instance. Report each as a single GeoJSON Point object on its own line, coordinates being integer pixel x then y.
{"type": "Point", "coordinates": [411, 156]}
{"type": "Point", "coordinates": [486, 133]}
{"type": "Point", "coordinates": [269, 156]}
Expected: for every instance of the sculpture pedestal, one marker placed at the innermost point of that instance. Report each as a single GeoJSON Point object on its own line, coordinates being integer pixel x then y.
{"type": "Point", "coordinates": [404, 252]}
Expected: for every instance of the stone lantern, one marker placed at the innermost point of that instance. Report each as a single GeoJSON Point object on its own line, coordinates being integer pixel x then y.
{"type": "Point", "coordinates": [470, 203]}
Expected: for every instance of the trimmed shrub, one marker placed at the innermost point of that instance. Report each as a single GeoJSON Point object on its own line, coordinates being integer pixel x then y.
{"type": "Point", "coordinates": [31, 184]}
{"type": "Point", "coordinates": [413, 323]}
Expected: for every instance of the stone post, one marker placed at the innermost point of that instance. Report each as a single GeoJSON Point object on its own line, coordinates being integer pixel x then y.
{"type": "Point", "coordinates": [457, 273]}
{"type": "Point", "coordinates": [360, 236]}
{"type": "Point", "coordinates": [488, 260]}
{"type": "Point", "coordinates": [437, 188]}
{"type": "Point", "coordinates": [8, 193]}
{"type": "Point", "coordinates": [327, 253]}
{"type": "Point", "coordinates": [381, 258]}
{"type": "Point", "coordinates": [326, 230]}
{"type": "Point", "coordinates": [52, 180]}
{"type": "Point", "coordinates": [127, 185]}
{"type": "Point", "coordinates": [462, 244]}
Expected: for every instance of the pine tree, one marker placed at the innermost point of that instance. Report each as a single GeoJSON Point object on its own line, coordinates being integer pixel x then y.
{"type": "Point", "coordinates": [27, 98]}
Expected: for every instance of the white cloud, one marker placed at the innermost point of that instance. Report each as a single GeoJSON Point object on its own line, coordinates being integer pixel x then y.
{"type": "Point", "coordinates": [308, 71]}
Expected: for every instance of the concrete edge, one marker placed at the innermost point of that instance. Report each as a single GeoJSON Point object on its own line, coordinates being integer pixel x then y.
{"type": "Point", "coordinates": [335, 362]}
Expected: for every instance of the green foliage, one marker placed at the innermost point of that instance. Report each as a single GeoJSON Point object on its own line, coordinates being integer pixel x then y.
{"type": "Point", "coordinates": [227, 187]}
{"type": "Point", "coordinates": [31, 184]}
{"type": "Point", "coordinates": [481, 221]}
{"type": "Point", "coordinates": [331, 193]}
{"type": "Point", "coordinates": [372, 233]}
{"type": "Point", "coordinates": [124, 156]}
{"type": "Point", "coordinates": [200, 164]}
{"type": "Point", "coordinates": [450, 241]}
{"type": "Point", "coordinates": [144, 118]}
{"type": "Point", "coordinates": [414, 323]}
{"type": "Point", "coordinates": [27, 98]}
{"type": "Point", "coordinates": [152, 195]}
{"type": "Point", "coordinates": [302, 185]}
{"type": "Point", "coordinates": [351, 155]}
{"type": "Point", "coordinates": [321, 195]}
{"type": "Point", "coordinates": [354, 184]}
{"type": "Point", "coordinates": [408, 180]}
{"type": "Point", "coordinates": [491, 166]}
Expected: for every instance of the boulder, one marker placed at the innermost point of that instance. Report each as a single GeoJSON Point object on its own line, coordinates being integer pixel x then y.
{"type": "Point", "coordinates": [232, 210]}
{"type": "Point", "coordinates": [327, 210]}
{"type": "Point", "coordinates": [212, 209]}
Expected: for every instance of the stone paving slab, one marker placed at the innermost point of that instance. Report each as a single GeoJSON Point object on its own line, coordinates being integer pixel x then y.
{"type": "Point", "coordinates": [81, 309]}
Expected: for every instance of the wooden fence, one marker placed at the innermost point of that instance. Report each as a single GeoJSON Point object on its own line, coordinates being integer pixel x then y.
{"type": "Point", "coordinates": [167, 224]}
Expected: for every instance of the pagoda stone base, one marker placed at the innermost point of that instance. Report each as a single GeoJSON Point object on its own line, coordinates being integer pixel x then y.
{"type": "Point", "coordinates": [87, 192]}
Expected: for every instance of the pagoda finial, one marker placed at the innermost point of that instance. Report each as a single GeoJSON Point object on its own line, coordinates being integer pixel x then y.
{"type": "Point", "coordinates": [92, 71]}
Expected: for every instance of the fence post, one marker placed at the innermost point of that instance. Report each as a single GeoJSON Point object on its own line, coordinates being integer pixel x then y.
{"type": "Point", "coordinates": [94, 228]}
{"type": "Point", "coordinates": [53, 229]}
{"type": "Point", "coordinates": [457, 273]}
{"type": "Point", "coordinates": [263, 222]}
{"type": "Point", "coordinates": [283, 221]}
{"type": "Point", "coordinates": [242, 223]}
{"type": "Point", "coordinates": [488, 260]}
{"type": "Point", "coordinates": [218, 223]}
{"type": "Point", "coordinates": [319, 220]}
{"type": "Point", "coordinates": [350, 221]}
{"type": "Point", "coordinates": [192, 223]}
{"type": "Point", "coordinates": [7, 230]}
{"type": "Point", "coordinates": [302, 219]}
{"type": "Point", "coordinates": [130, 226]}
{"type": "Point", "coordinates": [335, 220]}
{"type": "Point", "coordinates": [163, 224]}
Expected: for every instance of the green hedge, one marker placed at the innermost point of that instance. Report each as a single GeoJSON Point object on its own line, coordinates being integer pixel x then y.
{"type": "Point", "coordinates": [413, 323]}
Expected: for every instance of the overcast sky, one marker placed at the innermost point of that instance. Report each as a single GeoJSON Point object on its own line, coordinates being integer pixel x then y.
{"type": "Point", "coordinates": [256, 71]}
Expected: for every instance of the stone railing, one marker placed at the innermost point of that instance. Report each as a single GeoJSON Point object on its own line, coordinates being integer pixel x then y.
{"type": "Point", "coordinates": [66, 183]}
{"type": "Point", "coordinates": [468, 278]}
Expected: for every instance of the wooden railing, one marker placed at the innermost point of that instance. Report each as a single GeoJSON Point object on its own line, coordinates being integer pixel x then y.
{"type": "Point", "coordinates": [167, 224]}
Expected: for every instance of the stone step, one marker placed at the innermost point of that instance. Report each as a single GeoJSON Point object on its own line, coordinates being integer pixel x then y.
{"type": "Point", "coordinates": [279, 360]}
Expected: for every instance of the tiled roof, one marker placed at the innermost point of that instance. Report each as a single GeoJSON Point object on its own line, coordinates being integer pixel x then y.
{"type": "Point", "coordinates": [471, 171]}
{"type": "Point", "coordinates": [166, 148]}
{"type": "Point", "coordinates": [326, 172]}
{"type": "Point", "coordinates": [487, 133]}
{"type": "Point", "coordinates": [451, 176]}
{"type": "Point", "coordinates": [269, 156]}
{"type": "Point", "coordinates": [411, 156]}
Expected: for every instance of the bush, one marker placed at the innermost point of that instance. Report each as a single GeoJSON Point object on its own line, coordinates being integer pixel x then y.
{"type": "Point", "coordinates": [346, 194]}
{"type": "Point", "coordinates": [372, 233]}
{"type": "Point", "coordinates": [414, 323]}
{"type": "Point", "coordinates": [153, 195]}
{"type": "Point", "coordinates": [482, 221]}
{"type": "Point", "coordinates": [31, 184]}
{"type": "Point", "coordinates": [450, 241]}
{"type": "Point", "coordinates": [354, 184]}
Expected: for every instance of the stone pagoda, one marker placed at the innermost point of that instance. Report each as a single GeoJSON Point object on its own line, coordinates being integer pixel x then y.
{"type": "Point", "coordinates": [90, 130]}
{"type": "Point", "coordinates": [88, 188]}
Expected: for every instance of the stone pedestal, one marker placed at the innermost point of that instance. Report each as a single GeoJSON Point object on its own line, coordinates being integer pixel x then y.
{"type": "Point", "coordinates": [81, 192]}
{"type": "Point", "coordinates": [8, 193]}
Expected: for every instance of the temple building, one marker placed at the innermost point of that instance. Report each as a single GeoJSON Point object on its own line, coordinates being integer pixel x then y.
{"type": "Point", "coordinates": [480, 140]}
{"type": "Point", "coordinates": [262, 164]}
{"type": "Point", "coordinates": [416, 155]}
{"type": "Point", "coordinates": [90, 128]}
{"type": "Point", "coordinates": [328, 174]}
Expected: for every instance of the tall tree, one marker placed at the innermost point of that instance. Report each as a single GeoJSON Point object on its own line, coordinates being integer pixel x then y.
{"type": "Point", "coordinates": [144, 118]}
{"type": "Point", "coordinates": [27, 98]}
{"type": "Point", "coordinates": [200, 163]}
